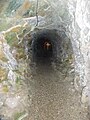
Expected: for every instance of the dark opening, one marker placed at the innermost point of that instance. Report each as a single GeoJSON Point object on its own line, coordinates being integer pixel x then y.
{"type": "Point", "coordinates": [43, 46]}
{"type": "Point", "coordinates": [47, 46]}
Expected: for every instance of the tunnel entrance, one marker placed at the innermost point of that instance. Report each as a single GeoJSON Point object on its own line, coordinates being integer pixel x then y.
{"type": "Point", "coordinates": [45, 46]}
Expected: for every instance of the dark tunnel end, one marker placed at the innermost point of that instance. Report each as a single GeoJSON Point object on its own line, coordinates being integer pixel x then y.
{"type": "Point", "coordinates": [47, 46]}
{"type": "Point", "coordinates": [44, 46]}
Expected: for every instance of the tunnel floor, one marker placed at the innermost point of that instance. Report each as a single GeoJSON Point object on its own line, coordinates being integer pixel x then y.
{"type": "Point", "coordinates": [54, 97]}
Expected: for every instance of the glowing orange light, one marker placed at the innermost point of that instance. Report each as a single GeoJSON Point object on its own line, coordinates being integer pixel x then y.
{"type": "Point", "coordinates": [47, 45]}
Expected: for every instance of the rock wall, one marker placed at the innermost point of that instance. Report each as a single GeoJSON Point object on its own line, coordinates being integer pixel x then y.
{"type": "Point", "coordinates": [79, 30]}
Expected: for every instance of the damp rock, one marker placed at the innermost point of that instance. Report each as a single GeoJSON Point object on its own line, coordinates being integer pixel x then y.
{"type": "Point", "coordinates": [84, 97]}
{"type": "Point", "coordinates": [11, 77]}
{"type": "Point", "coordinates": [1, 104]}
{"type": "Point", "coordinates": [12, 102]}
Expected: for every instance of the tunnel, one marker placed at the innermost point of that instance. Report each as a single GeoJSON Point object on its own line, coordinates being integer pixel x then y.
{"type": "Point", "coordinates": [45, 59]}
{"type": "Point", "coordinates": [46, 46]}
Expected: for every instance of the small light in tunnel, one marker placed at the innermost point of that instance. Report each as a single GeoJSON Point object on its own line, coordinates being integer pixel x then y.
{"type": "Point", "coordinates": [47, 45]}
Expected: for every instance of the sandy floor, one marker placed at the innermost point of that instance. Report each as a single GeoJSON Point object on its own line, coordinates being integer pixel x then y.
{"type": "Point", "coordinates": [54, 97]}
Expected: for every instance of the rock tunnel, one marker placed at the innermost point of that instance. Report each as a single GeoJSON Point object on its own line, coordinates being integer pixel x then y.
{"type": "Point", "coordinates": [44, 60]}
{"type": "Point", "coordinates": [49, 45]}
{"type": "Point", "coordinates": [43, 46]}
